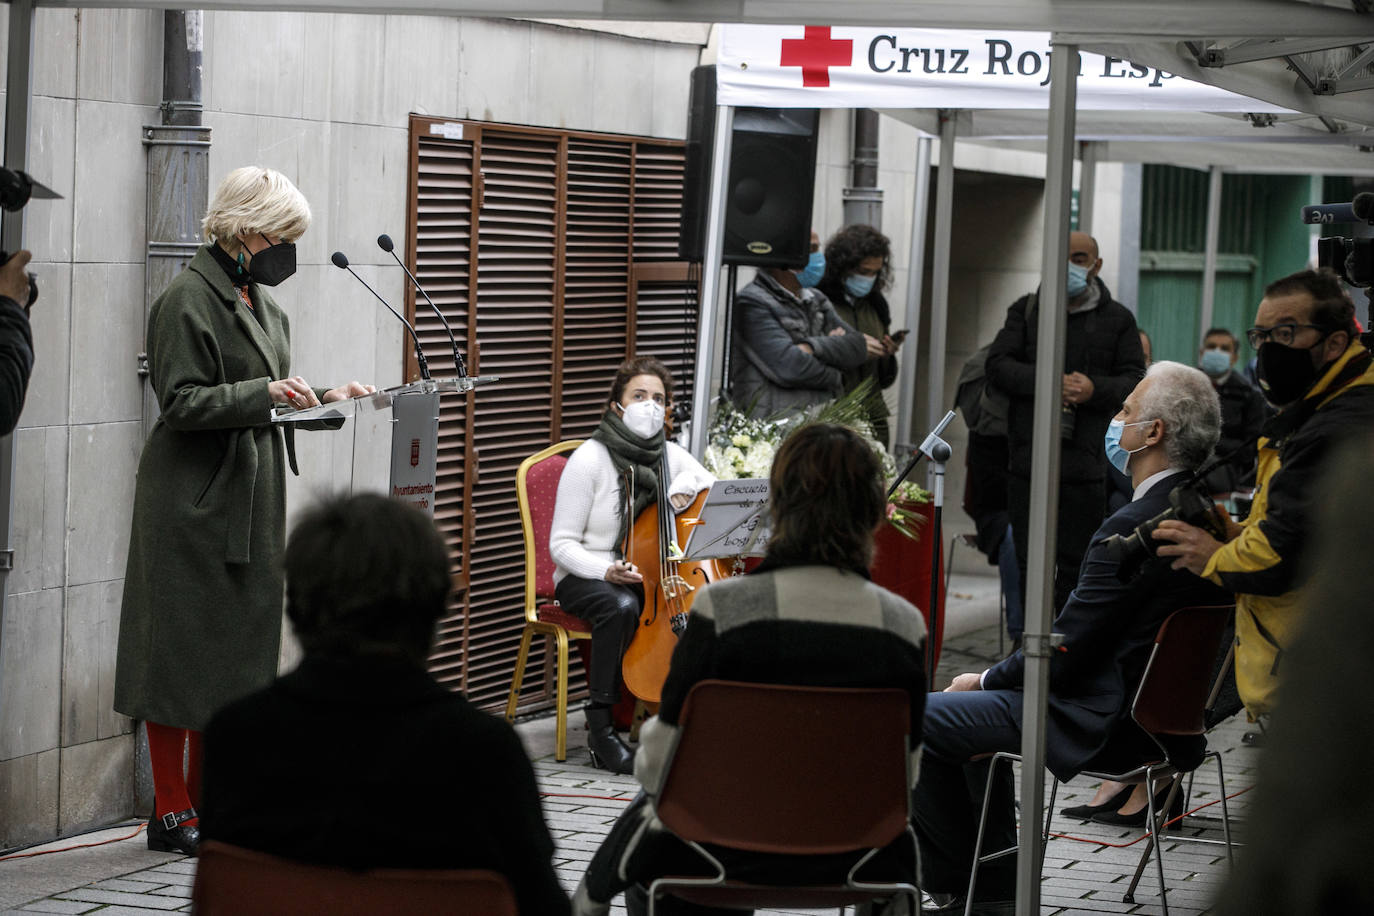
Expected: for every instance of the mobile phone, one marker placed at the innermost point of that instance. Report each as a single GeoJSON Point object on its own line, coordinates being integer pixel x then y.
{"type": "Point", "coordinates": [899, 336]}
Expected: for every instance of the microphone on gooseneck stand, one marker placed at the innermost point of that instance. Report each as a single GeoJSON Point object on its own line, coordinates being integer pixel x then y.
{"type": "Point", "coordinates": [341, 260]}
{"type": "Point", "coordinates": [384, 242]}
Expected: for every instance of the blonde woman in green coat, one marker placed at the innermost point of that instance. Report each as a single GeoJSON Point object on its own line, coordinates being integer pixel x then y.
{"type": "Point", "coordinates": [201, 618]}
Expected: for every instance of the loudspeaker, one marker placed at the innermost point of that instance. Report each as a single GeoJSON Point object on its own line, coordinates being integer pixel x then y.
{"type": "Point", "coordinates": [771, 183]}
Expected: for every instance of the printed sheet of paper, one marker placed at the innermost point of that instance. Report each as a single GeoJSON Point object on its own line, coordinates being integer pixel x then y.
{"type": "Point", "coordinates": [733, 521]}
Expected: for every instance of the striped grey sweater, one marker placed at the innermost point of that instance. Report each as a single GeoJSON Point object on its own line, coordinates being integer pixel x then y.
{"type": "Point", "coordinates": [805, 625]}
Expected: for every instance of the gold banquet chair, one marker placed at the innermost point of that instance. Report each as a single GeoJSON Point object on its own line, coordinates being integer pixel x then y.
{"type": "Point", "coordinates": [536, 489]}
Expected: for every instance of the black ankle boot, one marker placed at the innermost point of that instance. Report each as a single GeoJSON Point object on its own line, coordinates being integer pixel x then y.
{"type": "Point", "coordinates": [607, 750]}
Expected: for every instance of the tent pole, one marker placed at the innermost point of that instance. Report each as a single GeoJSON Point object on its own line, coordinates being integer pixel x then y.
{"type": "Point", "coordinates": [708, 318]}
{"type": "Point", "coordinates": [1209, 258]}
{"type": "Point", "coordinates": [1088, 154]}
{"type": "Point", "coordinates": [915, 275]}
{"type": "Point", "coordinates": [939, 274]}
{"type": "Point", "coordinates": [18, 84]}
{"type": "Point", "coordinates": [1044, 497]}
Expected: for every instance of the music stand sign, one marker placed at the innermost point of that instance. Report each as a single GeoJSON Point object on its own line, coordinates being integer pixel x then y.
{"type": "Point", "coordinates": [733, 521]}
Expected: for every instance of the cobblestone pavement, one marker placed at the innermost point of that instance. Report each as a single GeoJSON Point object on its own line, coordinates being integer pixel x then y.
{"type": "Point", "coordinates": [1086, 869]}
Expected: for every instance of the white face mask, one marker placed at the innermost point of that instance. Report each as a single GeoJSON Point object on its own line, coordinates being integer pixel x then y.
{"type": "Point", "coordinates": [644, 418]}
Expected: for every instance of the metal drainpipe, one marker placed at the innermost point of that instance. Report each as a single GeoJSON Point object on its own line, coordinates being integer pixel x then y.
{"type": "Point", "coordinates": [863, 199]}
{"type": "Point", "coordinates": [177, 196]}
{"type": "Point", "coordinates": [178, 170]}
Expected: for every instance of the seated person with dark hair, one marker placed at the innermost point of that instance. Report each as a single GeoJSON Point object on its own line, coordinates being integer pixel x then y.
{"type": "Point", "coordinates": [808, 615]}
{"type": "Point", "coordinates": [1165, 430]}
{"type": "Point", "coordinates": [357, 757]}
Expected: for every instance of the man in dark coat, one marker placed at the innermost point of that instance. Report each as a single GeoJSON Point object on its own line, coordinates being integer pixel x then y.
{"type": "Point", "coordinates": [357, 757]}
{"type": "Point", "coordinates": [1171, 424]}
{"type": "Point", "coordinates": [16, 340]}
{"type": "Point", "coordinates": [789, 348]}
{"type": "Point", "coordinates": [1102, 361]}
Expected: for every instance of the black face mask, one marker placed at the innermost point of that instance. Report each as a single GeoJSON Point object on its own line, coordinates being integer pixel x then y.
{"type": "Point", "coordinates": [273, 264]}
{"type": "Point", "coordinates": [1285, 373]}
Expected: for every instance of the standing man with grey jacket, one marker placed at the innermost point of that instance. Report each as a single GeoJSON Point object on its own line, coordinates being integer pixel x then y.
{"type": "Point", "coordinates": [790, 347]}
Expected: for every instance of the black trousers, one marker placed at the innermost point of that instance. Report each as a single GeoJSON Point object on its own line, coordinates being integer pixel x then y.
{"type": "Point", "coordinates": [949, 794]}
{"type": "Point", "coordinates": [1082, 507]}
{"type": "Point", "coordinates": [613, 611]}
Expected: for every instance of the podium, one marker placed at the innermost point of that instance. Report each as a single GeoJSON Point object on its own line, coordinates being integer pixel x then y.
{"type": "Point", "coordinates": [395, 435]}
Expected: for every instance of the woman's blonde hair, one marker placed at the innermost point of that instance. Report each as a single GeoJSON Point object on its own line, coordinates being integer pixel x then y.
{"type": "Point", "coordinates": [252, 200]}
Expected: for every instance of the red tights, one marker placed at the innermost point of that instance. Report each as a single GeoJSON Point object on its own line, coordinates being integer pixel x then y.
{"type": "Point", "coordinates": [176, 787]}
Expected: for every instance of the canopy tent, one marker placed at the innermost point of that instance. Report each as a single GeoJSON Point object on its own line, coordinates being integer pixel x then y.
{"type": "Point", "coordinates": [747, 73]}
{"type": "Point", "coordinates": [1148, 33]}
{"type": "Point", "coordinates": [991, 86]}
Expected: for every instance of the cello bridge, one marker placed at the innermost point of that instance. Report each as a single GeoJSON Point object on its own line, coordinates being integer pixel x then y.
{"type": "Point", "coordinates": [676, 587]}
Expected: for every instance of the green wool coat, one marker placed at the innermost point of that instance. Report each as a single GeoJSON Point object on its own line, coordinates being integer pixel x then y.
{"type": "Point", "coordinates": [201, 619]}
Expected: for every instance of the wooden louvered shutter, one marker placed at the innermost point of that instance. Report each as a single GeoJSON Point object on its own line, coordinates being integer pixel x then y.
{"type": "Point", "coordinates": [526, 238]}
{"type": "Point", "coordinates": [594, 312]}
{"type": "Point", "coordinates": [517, 306]}
{"type": "Point", "coordinates": [441, 239]}
{"type": "Point", "coordinates": [664, 290]}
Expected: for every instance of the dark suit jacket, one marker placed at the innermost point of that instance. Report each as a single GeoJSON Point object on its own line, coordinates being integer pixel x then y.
{"type": "Point", "coordinates": [366, 762]}
{"type": "Point", "coordinates": [1108, 628]}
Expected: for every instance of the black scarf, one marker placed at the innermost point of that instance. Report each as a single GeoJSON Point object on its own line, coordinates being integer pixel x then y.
{"type": "Point", "coordinates": [628, 450]}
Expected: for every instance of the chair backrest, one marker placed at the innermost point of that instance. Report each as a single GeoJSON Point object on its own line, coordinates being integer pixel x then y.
{"type": "Point", "coordinates": [1173, 692]}
{"type": "Point", "coordinates": [798, 770]}
{"type": "Point", "coordinates": [231, 881]}
{"type": "Point", "coordinates": [536, 489]}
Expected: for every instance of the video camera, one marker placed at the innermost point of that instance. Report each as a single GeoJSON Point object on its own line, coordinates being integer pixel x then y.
{"type": "Point", "coordinates": [1188, 502]}
{"type": "Point", "coordinates": [16, 189]}
{"type": "Point", "coordinates": [1351, 258]}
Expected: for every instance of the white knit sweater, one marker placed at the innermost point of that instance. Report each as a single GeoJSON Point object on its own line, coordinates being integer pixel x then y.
{"type": "Point", "coordinates": [582, 537]}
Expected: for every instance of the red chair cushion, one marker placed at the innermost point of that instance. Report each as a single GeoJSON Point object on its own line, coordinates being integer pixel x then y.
{"type": "Point", "coordinates": [553, 613]}
{"type": "Point", "coordinates": [541, 490]}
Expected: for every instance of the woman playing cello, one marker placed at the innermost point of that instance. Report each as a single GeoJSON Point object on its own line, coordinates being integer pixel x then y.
{"type": "Point", "coordinates": [608, 481]}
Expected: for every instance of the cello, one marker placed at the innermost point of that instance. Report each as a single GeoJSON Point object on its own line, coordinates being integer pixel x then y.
{"type": "Point", "coordinates": [670, 584]}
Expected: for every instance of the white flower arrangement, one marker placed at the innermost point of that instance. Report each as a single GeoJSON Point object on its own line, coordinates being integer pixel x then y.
{"type": "Point", "coordinates": [740, 446]}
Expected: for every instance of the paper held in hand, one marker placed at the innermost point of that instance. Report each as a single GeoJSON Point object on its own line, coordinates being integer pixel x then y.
{"type": "Point", "coordinates": [733, 521]}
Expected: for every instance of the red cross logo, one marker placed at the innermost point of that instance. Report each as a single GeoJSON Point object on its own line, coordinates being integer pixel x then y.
{"type": "Point", "coordinates": [816, 53]}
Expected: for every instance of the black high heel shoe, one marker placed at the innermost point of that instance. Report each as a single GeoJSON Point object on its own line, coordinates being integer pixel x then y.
{"type": "Point", "coordinates": [171, 833]}
{"type": "Point", "coordinates": [1085, 812]}
{"type": "Point", "coordinates": [1137, 819]}
{"type": "Point", "coordinates": [607, 750]}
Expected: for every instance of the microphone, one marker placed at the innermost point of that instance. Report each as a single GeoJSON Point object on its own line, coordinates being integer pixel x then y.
{"type": "Point", "coordinates": [384, 243]}
{"type": "Point", "coordinates": [1329, 213]}
{"type": "Point", "coordinates": [341, 260]}
{"type": "Point", "coordinates": [1359, 210]}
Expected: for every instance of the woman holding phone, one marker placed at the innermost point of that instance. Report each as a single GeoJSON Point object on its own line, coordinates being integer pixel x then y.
{"type": "Point", "coordinates": [857, 270]}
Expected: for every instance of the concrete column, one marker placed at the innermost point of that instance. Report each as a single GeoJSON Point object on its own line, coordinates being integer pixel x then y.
{"type": "Point", "coordinates": [916, 268]}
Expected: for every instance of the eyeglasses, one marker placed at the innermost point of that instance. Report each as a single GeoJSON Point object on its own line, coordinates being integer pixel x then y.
{"type": "Point", "coordinates": [1279, 333]}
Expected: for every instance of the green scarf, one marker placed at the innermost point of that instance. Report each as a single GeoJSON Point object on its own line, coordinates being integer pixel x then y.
{"type": "Point", "coordinates": [628, 450]}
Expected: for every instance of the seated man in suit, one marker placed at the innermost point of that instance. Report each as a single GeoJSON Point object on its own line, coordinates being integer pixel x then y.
{"type": "Point", "coordinates": [1166, 429]}
{"type": "Point", "coordinates": [357, 757]}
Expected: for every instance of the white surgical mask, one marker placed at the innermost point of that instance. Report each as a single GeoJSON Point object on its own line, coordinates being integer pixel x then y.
{"type": "Point", "coordinates": [644, 418]}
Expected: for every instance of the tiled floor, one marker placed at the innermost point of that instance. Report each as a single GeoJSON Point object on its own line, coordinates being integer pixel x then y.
{"type": "Point", "coordinates": [1086, 870]}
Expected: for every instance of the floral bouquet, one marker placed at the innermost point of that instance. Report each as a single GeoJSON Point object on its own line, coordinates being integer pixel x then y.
{"type": "Point", "coordinates": [740, 446]}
